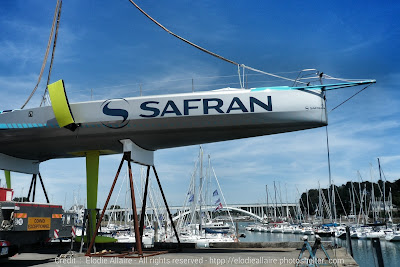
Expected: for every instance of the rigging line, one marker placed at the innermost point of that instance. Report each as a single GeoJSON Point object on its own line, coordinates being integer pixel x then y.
{"type": "Point", "coordinates": [270, 74]}
{"type": "Point", "coordinates": [181, 38]}
{"type": "Point", "coordinates": [334, 78]}
{"type": "Point", "coordinates": [240, 79]}
{"type": "Point", "coordinates": [326, 76]}
{"type": "Point", "coordinates": [183, 86]}
{"type": "Point", "coordinates": [52, 54]}
{"type": "Point", "coordinates": [349, 98]}
{"type": "Point", "coordinates": [45, 56]}
{"type": "Point", "coordinates": [345, 213]}
{"type": "Point", "coordinates": [207, 51]}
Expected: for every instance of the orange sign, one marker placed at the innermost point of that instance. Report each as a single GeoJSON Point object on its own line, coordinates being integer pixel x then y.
{"type": "Point", "coordinates": [39, 223]}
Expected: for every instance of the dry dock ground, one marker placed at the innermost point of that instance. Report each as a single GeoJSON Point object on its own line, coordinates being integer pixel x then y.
{"type": "Point", "coordinates": [243, 256]}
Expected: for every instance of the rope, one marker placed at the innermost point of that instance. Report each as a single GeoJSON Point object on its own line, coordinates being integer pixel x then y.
{"type": "Point", "coordinates": [45, 56]}
{"type": "Point", "coordinates": [52, 54]}
{"type": "Point", "coordinates": [270, 74]}
{"type": "Point", "coordinates": [350, 98]}
{"type": "Point", "coordinates": [213, 54]}
{"type": "Point", "coordinates": [326, 76]}
{"type": "Point", "coordinates": [240, 79]}
{"type": "Point", "coordinates": [181, 38]}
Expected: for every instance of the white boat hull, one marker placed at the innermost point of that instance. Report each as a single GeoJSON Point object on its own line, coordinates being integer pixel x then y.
{"type": "Point", "coordinates": [158, 122]}
{"type": "Point", "coordinates": [393, 237]}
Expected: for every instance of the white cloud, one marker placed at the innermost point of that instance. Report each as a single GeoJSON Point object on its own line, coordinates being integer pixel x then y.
{"type": "Point", "coordinates": [11, 52]}
{"type": "Point", "coordinates": [389, 159]}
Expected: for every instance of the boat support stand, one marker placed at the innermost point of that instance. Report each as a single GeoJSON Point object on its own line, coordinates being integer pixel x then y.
{"type": "Point", "coordinates": [33, 185]}
{"type": "Point", "coordinates": [135, 154]}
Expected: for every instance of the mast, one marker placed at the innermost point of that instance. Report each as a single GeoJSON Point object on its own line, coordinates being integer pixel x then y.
{"type": "Point", "coordinates": [266, 191]}
{"type": "Point", "coordinates": [276, 203]}
{"type": "Point", "coordinates": [366, 203]}
{"type": "Point", "coordinates": [351, 203]}
{"type": "Point", "coordinates": [299, 211]}
{"type": "Point", "coordinates": [208, 188]}
{"type": "Point", "coordinates": [320, 203]}
{"type": "Point", "coordinates": [201, 188]}
{"type": "Point", "coordinates": [354, 202]}
{"type": "Point", "coordinates": [192, 194]}
{"type": "Point", "coordinates": [287, 204]}
{"type": "Point", "coordinates": [373, 200]}
{"type": "Point", "coordinates": [390, 205]}
{"type": "Point", "coordinates": [308, 208]}
{"type": "Point", "coordinates": [384, 195]}
{"type": "Point", "coordinates": [280, 199]}
{"type": "Point", "coordinates": [361, 195]}
{"type": "Point", "coordinates": [334, 201]}
{"type": "Point", "coordinates": [329, 170]}
{"type": "Point", "coordinates": [126, 196]}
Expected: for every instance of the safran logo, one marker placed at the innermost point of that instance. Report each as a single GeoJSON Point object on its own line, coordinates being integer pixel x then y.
{"type": "Point", "coordinates": [117, 107]}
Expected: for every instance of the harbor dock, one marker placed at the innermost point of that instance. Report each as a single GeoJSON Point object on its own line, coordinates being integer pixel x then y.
{"type": "Point", "coordinates": [229, 254]}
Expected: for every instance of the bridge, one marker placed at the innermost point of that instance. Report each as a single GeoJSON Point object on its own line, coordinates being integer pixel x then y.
{"type": "Point", "coordinates": [255, 210]}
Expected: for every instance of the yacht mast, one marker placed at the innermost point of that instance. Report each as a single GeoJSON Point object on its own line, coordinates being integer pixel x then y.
{"type": "Point", "coordinates": [287, 204]}
{"type": "Point", "coordinates": [308, 208]}
{"type": "Point", "coordinates": [320, 211]}
{"type": "Point", "coordinates": [373, 199]}
{"type": "Point", "coordinates": [276, 203]}
{"type": "Point", "coordinates": [266, 190]}
{"type": "Point", "coordinates": [354, 202]}
{"type": "Point", "coordinates": [384, 195]}
{"type": "Point", "coordinates": [201, 187]}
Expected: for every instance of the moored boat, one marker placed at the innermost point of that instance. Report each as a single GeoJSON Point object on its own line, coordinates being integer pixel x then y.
{"type": "Point", "coordinates": [308, 231]}
{"type": "Point", "coordinates": [325, 232]}
{"type": "Point", "coordinates": [395, 236]}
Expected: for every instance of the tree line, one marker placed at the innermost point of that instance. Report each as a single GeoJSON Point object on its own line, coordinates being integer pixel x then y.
{"type": "Point", "coordinates": [345, 193]}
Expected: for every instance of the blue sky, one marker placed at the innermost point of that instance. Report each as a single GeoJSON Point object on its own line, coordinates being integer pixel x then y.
{"type": "Point", "coordinates": [108, 48]}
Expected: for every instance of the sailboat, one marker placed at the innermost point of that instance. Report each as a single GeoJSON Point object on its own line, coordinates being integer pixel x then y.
{"type": "Point", "coordinates": [204, 200]}
{"type": "Point", "coordinates": [394, 235]}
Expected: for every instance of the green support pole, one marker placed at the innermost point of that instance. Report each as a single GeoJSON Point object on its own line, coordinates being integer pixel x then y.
{"type": "Point", "coordinates": [8, 178]}
{"type": "Point", "coordinates": [92, 179]}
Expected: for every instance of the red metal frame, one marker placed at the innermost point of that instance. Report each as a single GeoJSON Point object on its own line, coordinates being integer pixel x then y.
{"type": "Point", "coordinates": [138, 226]}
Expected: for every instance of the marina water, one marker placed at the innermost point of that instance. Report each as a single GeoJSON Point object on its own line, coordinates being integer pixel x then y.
{"type": "Point", "coordinates": [362, 248]}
